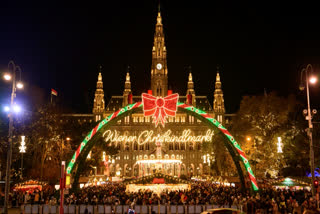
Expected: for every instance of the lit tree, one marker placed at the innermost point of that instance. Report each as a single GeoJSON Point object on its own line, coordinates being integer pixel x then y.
{"type": "Point", "coordinates": [259, 121]}
{"type": "Point", "coordinates": [221, 161]}
{"type": "Point", "coordinates": [45, 133]}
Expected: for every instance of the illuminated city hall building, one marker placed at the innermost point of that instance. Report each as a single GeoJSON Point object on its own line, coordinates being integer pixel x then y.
{"type": "Point", "coordinates": [139, 155]}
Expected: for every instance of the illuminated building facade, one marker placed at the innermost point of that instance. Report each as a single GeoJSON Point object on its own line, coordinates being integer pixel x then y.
{"type": "Point", "coordinates": [138, 156]}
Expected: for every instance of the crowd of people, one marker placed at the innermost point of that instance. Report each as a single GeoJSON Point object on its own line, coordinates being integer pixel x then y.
{"type": "Point", "coordinates": [267, 200]}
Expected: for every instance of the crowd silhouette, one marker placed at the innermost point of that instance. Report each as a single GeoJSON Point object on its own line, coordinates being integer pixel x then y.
{"type": "Point", "coordinates": [266, 200]}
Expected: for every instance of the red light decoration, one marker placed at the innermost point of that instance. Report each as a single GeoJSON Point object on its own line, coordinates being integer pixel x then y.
{"type": "Point", "coordinates": [159, 108]}
{"type": "Point", "coordinates": [189, 99]}
{"type": "Point", "coordinates": [169, 92]}
{"type": "Point", "coordinates": [130, 98]}
{"type": "Point", "coordinates": [184, 106]}
{"type": "Point", "coordinates": [150, 92]}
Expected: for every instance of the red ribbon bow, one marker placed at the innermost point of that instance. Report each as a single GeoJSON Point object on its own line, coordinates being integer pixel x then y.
{"type": "Point", "coordinates": [159, 108]}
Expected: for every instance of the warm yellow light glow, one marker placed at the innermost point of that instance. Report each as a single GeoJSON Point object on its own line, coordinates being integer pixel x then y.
{"type": "Point", "coordinates": [67, 180]}
{"type": "Point", "coordinates": [279, 145]}
{"type": "Point", "coordinates": [159, 161]}
{"type": "Point", "coordinates": [19, 85]}
{"type": "Point", "coordinates": [248, 138]}
{"type": "Point", "coordinates": [313, 80]}
{"type": "Point", "coordinates": [22, 146]}
{"type": "Point", "coordinates": [157, 188]}
{"type": "Point", "coordinates": [7, 77]}
{"type": "Point", "coordinates": [68, 138]}
{"type": "Point", "coordinates": [89, 155]}
{"type": "Point", "coordinates": [103, 156]}
{"type": "Point", "coordinates": [148, 136]}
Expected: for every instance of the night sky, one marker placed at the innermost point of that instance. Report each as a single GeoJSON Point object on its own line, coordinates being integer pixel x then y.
{"type": "Point", "coordinates": [257, 47]}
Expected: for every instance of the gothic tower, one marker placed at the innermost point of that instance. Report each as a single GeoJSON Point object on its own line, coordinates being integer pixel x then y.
{"type": "Point", "coordinates": [159, 70]}
{"type": "Point", "coordinates": [190, 91]}
{"type": "Point", "coordinates": [127, 90]}
{"type": "Point", "coordinates": [98, 103]}
{"type": "Point", "coordinates": [218, 102]}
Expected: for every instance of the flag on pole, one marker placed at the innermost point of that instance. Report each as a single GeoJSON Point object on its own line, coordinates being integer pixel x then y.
{"type": "Point", "coordinates": [54, 92]}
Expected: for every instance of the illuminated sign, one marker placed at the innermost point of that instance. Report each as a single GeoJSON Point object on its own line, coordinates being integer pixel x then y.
{"type": "Point", "coordinates": [22, 146]}
{"type": "Point", "coordinates": [279, 145]}
{"type": "Point", "coordinates": [148, 136]}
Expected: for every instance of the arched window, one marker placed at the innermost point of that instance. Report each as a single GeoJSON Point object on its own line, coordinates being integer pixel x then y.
{"type": "Point", "coordinates": [171, 146]}
{"type": "Point", "coordinates": [199, 146]}
{"type": "Point", "coordinates": [147, 146]}
{"type": "Point", "coordinates": [183, 146]}
{"type": "Point", "coordinates": [141, 147]}
{"type": "Point", "coordinates": [135, 146]}
{"type": "Point", "coordinates": [176, 146]}
{"type": "Point", "coordinates": [126, 147]}
{"type": "Point", "coordinates": [191, 146]}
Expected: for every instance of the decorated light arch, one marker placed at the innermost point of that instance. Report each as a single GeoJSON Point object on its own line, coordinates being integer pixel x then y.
{"type": "Point", "coordinates": [159, 117]}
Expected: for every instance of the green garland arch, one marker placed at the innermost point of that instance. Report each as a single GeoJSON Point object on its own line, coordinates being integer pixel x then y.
{"type": "Point", "coordinates": [232, 145]}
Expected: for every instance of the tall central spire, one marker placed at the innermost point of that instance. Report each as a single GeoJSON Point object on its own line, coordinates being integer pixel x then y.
{"type": "Point", "coordinates": [218, 102]}
{"type": "Point", "coordinates": [98, 102]}
{"type": "Point", "coordinates": [159, 71]}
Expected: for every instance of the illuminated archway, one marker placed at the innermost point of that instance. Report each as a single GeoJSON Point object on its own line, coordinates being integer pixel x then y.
{"type": "Point", "coordinates": [233, 147]}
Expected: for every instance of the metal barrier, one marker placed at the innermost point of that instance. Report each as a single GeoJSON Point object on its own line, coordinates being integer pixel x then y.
{"type": "Point", "coordinates": [45, 209]}
{"type": "Point", "coordinates": [107, 209]}
{"type": "Point", "coordinates": [82, 209]}
{"type": "Point", "coordinates": [27, 209]}
{"type": "Point", "coordinates": [100, 209]}
{"type": "Point", "coordinates": [119, 209]}
{"type": "Point", "coordinates": [72, 209]}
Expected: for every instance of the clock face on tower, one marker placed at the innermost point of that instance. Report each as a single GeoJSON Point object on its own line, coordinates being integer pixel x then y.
{"type": "Point", "coordinates": [159, 66]}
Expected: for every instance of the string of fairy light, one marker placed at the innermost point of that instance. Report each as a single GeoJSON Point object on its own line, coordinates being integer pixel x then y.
{"type": "Point", "coordinates": [179, 105]}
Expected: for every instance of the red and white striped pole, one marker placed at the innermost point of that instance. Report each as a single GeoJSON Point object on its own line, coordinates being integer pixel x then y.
{"type": "Point", "coordinates": [62, 185]}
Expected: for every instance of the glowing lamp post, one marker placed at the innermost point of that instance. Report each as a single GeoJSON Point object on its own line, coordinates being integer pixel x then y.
{"type": "Point", "coordinates": [308, 114]}
{"type": "Point", "coordinates": [12, 109]}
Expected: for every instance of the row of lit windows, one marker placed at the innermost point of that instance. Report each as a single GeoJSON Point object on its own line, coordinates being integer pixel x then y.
{"type": "Point", "coordinates": [117, 101]}
{"type": "Point", "coordinates": [152, 156]}
{"type": "Point", "coordinates": [142, 119]}
{"type": "Point", "coordinates": [192, 146]}
{"type": "Point", "coordinates": [171, 146]}
{"type": "Point", "coordinates": [79, 120]}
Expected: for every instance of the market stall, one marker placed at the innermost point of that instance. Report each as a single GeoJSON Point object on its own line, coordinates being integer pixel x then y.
{"type": "Point", "coordinates": [30, 186]}
{"type": "Point", "coordinates": [290, 183]}
{"type": "Point", "coordinates": [157, 183]}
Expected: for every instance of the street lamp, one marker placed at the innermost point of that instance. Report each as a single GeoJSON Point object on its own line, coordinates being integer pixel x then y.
{"type": "Point", "coordinates": [62, 146]}
{"type": "Point", "coordinates": [12, 69]}
{"type": "Point", "coordinates": [308, 115]}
